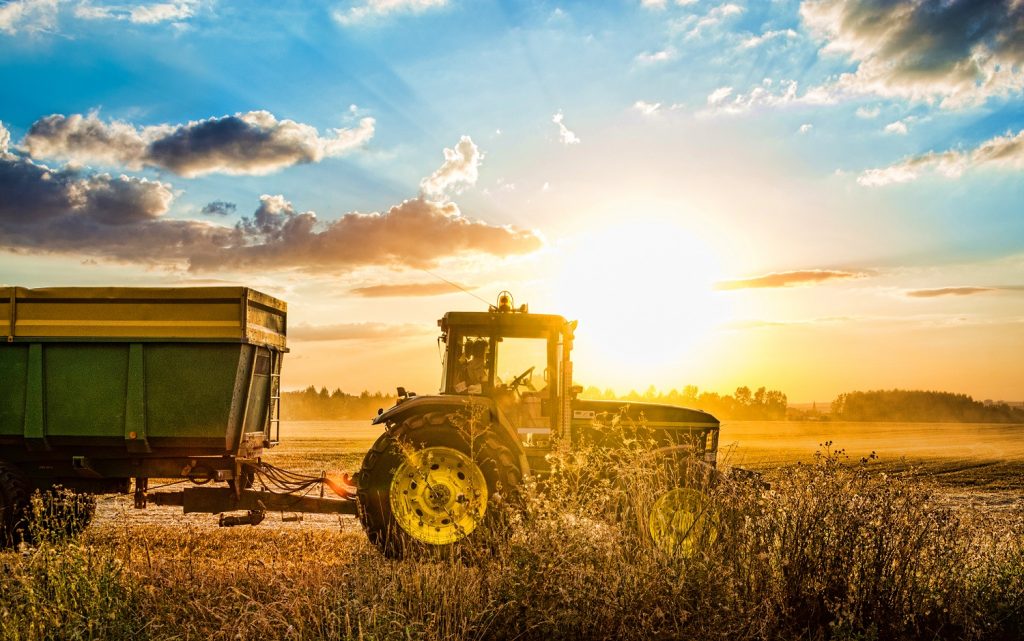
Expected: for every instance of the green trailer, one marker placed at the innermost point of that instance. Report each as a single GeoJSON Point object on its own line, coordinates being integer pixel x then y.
{"type": "Point", "coordinates": [100, 386]}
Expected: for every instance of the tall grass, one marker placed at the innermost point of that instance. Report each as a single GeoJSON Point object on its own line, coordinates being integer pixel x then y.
{"type": "Point", "coordinates": [832, 550]}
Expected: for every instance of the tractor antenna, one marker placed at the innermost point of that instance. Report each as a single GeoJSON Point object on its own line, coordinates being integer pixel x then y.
{"type": "Point", "coordinates": [455, 285]}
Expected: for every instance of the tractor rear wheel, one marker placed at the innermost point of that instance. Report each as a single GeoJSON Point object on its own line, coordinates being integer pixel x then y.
{"type": "Point", "coordinates": [423, 485]}
{"type": "Point", "coordinates": [14, 505]}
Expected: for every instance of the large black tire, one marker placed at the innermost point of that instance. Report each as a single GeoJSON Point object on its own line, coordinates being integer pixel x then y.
{"type": "Point", "coordinates": [491, 454]}
{"type": "Point", "coordinates": [14, 505]}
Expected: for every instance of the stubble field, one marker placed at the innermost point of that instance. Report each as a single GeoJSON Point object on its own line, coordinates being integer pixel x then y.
{"type": "Point", "coordinates": [923, 541]}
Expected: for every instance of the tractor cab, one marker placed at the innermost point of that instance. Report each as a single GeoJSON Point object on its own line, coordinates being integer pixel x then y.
{"type": "Point", "coordinates": [518, 360]}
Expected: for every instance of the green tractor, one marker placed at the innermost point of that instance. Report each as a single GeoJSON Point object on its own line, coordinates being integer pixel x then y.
{"type": "Point", "coordinates": [507, 402]}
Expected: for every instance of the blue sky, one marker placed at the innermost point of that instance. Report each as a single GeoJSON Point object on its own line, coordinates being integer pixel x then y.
{"type": "Point", "coordinates": [835, 137]}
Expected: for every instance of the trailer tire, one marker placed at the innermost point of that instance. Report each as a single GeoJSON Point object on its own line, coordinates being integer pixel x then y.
{"type": "Point", "coordinates": [14, 505]}
{"type": "Point", "coordinates": [396, 449]}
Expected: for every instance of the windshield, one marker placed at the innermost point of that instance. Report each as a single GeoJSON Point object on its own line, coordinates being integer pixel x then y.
{"type": "Point", "coordinates": [521, 362]}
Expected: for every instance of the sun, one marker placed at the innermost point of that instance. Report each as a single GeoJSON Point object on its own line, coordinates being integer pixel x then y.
{"type": "Point", "coordinates": [643, 293]}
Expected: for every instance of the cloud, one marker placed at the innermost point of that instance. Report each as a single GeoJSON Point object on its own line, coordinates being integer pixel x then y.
{"type": "Point", "coordinates": [1002, 152]}
{"type": "Point", "coordinates": [32, 16]}
{"type": "Point", "coordinates": [354, 331]}
{"type": "Point", "coordinates": [961, 291]}
{"type": "Point", "coordinates": [806, 128]}
{"type": "Point", "coordinates": [565, 136]}
{"type": "Point", "coordinates": [380, 8]}
{"type": "Point", "coordinates": [5, 139]}
{"type": "Point", "coordinates": [647, 108]}
{"type": "Point", "coordinates": [653, 4]}
{"type": "Point", "coordinates": [959, 52]}
{"type": "Point", "coordinates": [139, 14]}
{"type": "Point", "coordinates": [44, 210]}
{"type": "Point", "coordinates": [694, 26]}
{"type": "Point", "coordinates": [768, 36]}
{"type": "Point", "coordinates": [768, 95]}
{"type": "Point", "coordinates": [664, 55]}
{"type": "Point", "coordinates": [868, 113]}
{"type": "Point", "coordinates": [460, 169]}
{"type": "Point", "coordinates": [898, 127]}
{"type": "Point", "coordinates": [255, 142]}
{"type": "Point", "coordinates": [416, 233]}
{"type": "Point", "coordinates": [219, 208]}
{"type": "Point", "coordinates": [406, 289]}
{"type": "Point", "coordinates": [785, 279]}
{"type": "Point", "coordinates": [948, 291]}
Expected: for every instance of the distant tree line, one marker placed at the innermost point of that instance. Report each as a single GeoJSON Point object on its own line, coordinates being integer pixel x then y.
{"type": "Point", "coordinates": [311, 405]}
{"type": "Point", "coordinates": [921, 406]}
{"type": "Point", "coordinates": [762, 404]}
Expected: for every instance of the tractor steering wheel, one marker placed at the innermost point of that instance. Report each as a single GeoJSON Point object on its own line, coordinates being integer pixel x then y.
{"type": "Point", "coordinates": [519, 380]}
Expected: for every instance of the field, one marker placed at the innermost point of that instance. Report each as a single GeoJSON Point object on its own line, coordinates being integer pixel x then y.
{"type": "Point", "coordinates": [923, 541]}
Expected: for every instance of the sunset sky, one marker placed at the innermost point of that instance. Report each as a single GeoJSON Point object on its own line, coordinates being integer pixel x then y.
{"type": "Point", "coordinates": [816, 196]}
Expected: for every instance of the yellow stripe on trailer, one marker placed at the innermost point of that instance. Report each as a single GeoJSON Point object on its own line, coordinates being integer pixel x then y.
{"type": "Point", "coordinates": [145, 313]}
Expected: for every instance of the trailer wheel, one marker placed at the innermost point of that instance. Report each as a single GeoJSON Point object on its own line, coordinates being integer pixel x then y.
{"type": "Point", "coordinates": [423, 486]}
{"type": "Point", "coordinates": [14, 505]}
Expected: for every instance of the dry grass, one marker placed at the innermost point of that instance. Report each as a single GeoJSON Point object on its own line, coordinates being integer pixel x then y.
{"type": "Point", "coordinates": [832, 550]}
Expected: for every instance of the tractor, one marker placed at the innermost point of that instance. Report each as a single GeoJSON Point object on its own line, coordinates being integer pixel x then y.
{"type": "Point", "coordinates": [507, 402]}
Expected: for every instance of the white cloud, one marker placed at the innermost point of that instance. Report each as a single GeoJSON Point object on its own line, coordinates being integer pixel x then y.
{"type": "Point", "coordinates": [768, 95]}
{"type": "Point", "coordinates": [1002, 152]}
{"type": "Point", "coordinates": [381, 8]}
{"type": "Point", "coordinates": [767, 36]}
{"type": "Point", "coordinates": [139, 14]}
{"type": "Point", "coordinates": [653, 57]}
{"type": "Point", "coordinates": [5, 139]}
{"type": "Point", "coordinates": [460, 169]}
{"type": "Point", "coordinates": [694, 26]}
{"type": "Point", "coordinates": [653, 4]}
{"type": "Point", "coordinates": [32, 16]}
{"type": "Point", "coordinates": [868, 112]}
{"type": "Point", "coordinates": [898, 127]}
{"type": "Point", "coordinates": [565, 136]}
{"type": "Point", "coordinates": [719, 95]}
{"type": "Point", "coordinates": [647, 108]}
{"type": "Point", "coordinates": [806, 127]}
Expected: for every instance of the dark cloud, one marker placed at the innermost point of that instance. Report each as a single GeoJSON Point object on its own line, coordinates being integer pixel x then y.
{"type": "Point", "coordinates": [785, 279]}
{"type": "Point", "coordinates": [406, 289]}
{"type": "Point", "coordinates": [68, 210]}
{"type": "Point", "coordinates": [417, 233]}
{"type": "Point", "coordinates": [354, 331]}
{"type": "Point", "coordinates": [121, 218]}
{"type": "Point", "coordinates": [219, 208]}
{"type": "Point", "coordinates": [255, 142]}
{"type": "Point", "coordinates": [959, 51]}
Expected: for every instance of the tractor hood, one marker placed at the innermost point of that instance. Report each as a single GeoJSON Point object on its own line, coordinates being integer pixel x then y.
{"type": "Point", "coordinates": [655, 415]}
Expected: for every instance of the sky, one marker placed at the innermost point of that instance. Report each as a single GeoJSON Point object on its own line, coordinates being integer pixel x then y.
{"type": "Point", "coordinates": [817, 196]}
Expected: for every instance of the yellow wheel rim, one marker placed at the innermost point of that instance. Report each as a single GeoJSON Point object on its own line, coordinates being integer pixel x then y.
{"type": "Point", "coordinates": [438, 495]}
{"type": "Point", "coordinates": [680, 521]}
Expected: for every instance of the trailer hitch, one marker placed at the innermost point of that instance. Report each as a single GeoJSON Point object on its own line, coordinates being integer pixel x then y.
{"type": "Point", "coordinates": [252, 517]}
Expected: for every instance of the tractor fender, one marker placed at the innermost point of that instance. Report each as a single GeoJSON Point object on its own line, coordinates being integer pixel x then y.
{"type": "Point", "coordinates": [450, 404]}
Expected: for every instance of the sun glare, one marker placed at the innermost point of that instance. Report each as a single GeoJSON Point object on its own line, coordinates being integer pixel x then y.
{"type": "Point", "coordinates": [643, 293]}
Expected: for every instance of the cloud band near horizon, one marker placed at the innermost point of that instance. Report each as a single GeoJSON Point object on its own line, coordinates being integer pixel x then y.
{"type": "Point", "coordinates": [790, 278]}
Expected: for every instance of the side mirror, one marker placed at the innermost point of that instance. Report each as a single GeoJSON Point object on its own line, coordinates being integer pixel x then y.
{"type": "Point", "coordinates": [576, 390]}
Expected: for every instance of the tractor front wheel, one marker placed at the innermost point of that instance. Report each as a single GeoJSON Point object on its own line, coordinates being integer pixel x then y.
{"type": "Point", "coordinates": [425, 485]}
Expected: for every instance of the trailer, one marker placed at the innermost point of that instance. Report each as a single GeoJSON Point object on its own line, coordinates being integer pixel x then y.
{"type": "Point", "coordinates": [102, 389]}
